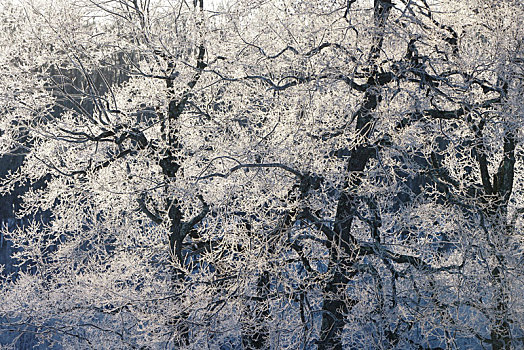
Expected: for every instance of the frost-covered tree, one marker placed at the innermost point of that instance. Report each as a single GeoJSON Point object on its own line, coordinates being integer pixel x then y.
{"type": "Point", "coordinates": [265, 174]}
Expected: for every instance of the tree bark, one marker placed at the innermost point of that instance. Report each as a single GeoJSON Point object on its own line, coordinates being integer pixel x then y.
{"type": "Point", "coordinates": [344, 249]}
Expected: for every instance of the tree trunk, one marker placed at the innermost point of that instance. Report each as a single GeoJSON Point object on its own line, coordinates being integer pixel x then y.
{"type": "Point", "coordinates": [344, 250]}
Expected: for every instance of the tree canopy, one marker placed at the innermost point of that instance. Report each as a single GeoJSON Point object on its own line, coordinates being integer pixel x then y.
{"type": "Point", "coordinates": [274, 174]}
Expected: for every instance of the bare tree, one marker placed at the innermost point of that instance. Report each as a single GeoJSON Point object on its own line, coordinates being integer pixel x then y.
{"type": "Point", "coordinates": [277, 174]}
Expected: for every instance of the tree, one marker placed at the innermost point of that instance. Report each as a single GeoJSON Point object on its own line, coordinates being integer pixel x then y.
{"type": "Point", "coordinates": [277, 174]}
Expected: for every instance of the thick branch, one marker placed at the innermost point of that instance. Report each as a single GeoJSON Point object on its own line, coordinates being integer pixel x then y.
{"type": "Point", "coordinates": [255, 165]}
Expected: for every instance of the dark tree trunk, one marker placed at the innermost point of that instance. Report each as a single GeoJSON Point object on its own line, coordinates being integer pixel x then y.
{"type": "Point", "coordinates": [344, 249]}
